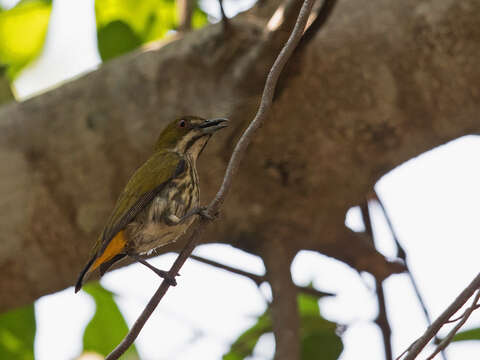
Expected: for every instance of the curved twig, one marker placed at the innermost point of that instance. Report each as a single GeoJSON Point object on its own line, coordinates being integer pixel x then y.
{"type": "Point", "coordinates": [416, 347]}
{"type": "Point", "coordinates": [232, 168]}
{"type": "Point", "coordinates": [444, 343]}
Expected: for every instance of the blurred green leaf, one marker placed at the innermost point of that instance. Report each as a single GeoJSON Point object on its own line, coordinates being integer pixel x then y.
{"type": "Point", "coordinates": [146, 20]}
{"type": "Point", "coordinates": [319, 339]}
{"type": "Point", "coordinates": [17, 333]}
{"type": "Point", "coordinates": [472, 334]}
{"type": "Point", "coordinates": [107, 327]}
{"type": "Point", "coordinates": [318, 335]}
{"type": "Point", "coordinates": [246, 342]}
{"type": "Point", "coordinates": [199, 18]}
{"type": "Point", "coordinates": [22, 33]}
{"type": "Point", "coordinates": [116, 38]}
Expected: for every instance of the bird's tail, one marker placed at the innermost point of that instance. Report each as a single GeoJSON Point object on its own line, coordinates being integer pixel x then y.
{"type": "Point", "coordinates": [113, 252]}
{"type": "Point", "coordinates": [79, 283]}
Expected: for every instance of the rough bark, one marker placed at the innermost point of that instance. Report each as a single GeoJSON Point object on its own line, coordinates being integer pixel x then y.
{"type": "Point", "coordinates": [383, 82]}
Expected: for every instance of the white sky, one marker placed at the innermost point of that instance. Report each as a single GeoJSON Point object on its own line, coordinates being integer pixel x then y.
{"type": "Point", "coordinates": [433, 201]}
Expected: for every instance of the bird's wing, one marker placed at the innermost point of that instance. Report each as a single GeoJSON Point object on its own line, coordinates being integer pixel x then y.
{"type": "Point", "coordinates": [141, 189]}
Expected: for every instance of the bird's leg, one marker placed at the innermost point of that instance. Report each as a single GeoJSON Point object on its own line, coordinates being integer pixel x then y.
{"type": "Point", "coordinates": [163, 274]}
{"type": "Point", "coordinates": [200, 211]}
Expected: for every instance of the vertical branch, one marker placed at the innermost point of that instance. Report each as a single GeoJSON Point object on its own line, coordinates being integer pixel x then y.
{"type": "Point", "coordinates": [285, 318]}
{"type": "Point", "coordinates": [382, 319]}
{"type": "Point", "coordinates": [185, 11]}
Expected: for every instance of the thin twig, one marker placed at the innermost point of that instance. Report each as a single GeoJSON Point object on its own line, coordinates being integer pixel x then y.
{"type": "Point", "coordinates": [319, 22]}
{"type": "Point", "coordinates": [461, 316]}
{"type": "Point", "coordinates": [265, 104]}
{"type": "Point", "coordinates": [402, 254]}
{"type": "Point", "coordinates": [382, 319]}
{"type": "Point", "coordinates": [444, 343]}
{"type": "Point", "coordinates": [257, 279]}
{"type": "Point", "coordinates": [225, 22]}
{"type": "Point", "coordinates": [232, 168]}
{"type": "Point", "coordinates": [417, 346]}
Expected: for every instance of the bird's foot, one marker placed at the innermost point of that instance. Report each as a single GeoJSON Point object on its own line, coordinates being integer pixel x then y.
{"type": "Point", "coordinates": [201, 211]}
{"type": "Point", "coordinates": [162, 273]}
{"type": "Point", "coordinates": [166, 276]}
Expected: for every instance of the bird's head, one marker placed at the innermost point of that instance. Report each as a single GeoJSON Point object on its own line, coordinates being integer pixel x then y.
{"type": "Point", "coordinates": [188, 134]}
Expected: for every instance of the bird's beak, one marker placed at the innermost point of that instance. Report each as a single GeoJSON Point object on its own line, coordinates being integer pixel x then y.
{"type": "Point", "coordinates": [211, 126]}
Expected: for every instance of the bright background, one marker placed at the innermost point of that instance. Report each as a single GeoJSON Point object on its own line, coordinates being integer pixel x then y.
{"type": "Point", "coordinates": [433, 201]}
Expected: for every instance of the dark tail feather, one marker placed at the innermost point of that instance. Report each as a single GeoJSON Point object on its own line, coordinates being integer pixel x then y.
{"type": "Point", "coordinates": [79, 283]}
{"type": "Point", "coordinates": [103, 268]}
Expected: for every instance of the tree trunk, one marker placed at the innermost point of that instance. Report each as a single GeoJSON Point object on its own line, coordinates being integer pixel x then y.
{"type": "Point", "coordinates": [383, 82]}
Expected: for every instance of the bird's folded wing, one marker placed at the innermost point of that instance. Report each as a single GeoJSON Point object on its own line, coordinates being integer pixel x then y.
{"type": "Point", "coordinates": [146, 183]}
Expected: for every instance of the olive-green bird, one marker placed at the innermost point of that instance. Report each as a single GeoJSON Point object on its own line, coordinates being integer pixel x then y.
{"type": "Point", "coordinates": [158, 202]}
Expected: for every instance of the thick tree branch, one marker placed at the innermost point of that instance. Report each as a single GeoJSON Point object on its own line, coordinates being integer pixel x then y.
{"type": "Point", "coordinates": [381, 83]}
{"type": "Point", "coordinates": [232, 168]}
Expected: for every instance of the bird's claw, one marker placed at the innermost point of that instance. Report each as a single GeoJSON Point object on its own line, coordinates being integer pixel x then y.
{"type": "Point", "coordinates": [201, 211]}
{"type": "Point", "coordinates": [204, 214]}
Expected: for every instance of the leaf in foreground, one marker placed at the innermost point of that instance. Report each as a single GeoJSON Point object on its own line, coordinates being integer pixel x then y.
{"type": "Point", "coordinates": [107, 327]}
{"type": "Point", "coordinates": [471, 334]}
{"type": "Point", "coordinates": [17, 333]}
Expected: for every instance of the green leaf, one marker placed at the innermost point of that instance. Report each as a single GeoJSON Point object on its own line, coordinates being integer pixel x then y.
{"type": "Point", "coordinates": [22, 33]}
{"type": "Point", "coordinates": [116, 38]}
{"type": "Point", "coordinates": [162, 19]}
{"type": "Point", "coordinates": [244, 345]}
{"type": "Point", "coordinates": [17, 333]}
{"type": "Point", "coordinates": [199, 18]}
{"type": "Point", "coordinates": [132, 12]}
{"type": "Point", "coordinates": [308, 305]}
{"type": "Point", "coordinates": [107, 327]}
{"type": "Point", "coordinates": [146, 20]}
{"type": "Point", "coordinates": [472, 334]}
{"type": "Point", "coordinates": [319, 340]}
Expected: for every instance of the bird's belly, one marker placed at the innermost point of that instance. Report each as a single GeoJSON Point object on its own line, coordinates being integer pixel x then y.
{"type": "Point", "coordinates": [154, 234]}
{"type": "Point", "coordinates": [154, 228]}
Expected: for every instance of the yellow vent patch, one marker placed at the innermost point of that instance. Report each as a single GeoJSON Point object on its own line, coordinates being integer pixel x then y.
{"type": "Point", "coordinates": [116, 245]}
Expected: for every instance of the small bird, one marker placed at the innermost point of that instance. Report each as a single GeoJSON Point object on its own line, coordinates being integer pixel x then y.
{"type": "Point", "coordinates": [159, 201]}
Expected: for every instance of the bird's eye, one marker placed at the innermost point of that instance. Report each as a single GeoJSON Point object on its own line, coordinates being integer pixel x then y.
{"type": "Point", "coordinates": [182, 123]}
